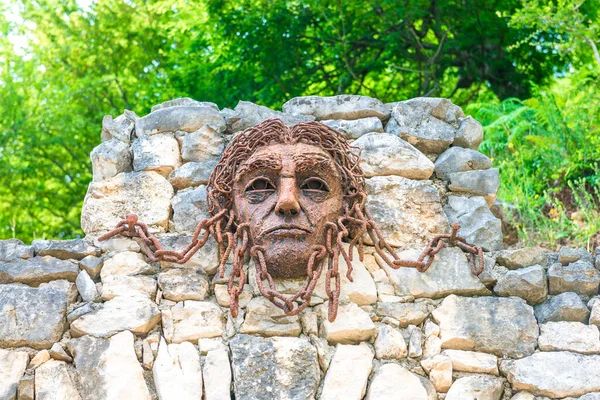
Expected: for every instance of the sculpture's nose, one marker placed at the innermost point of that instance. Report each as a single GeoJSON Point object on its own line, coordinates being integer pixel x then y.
{"type": "Point", "coordinates": [287, 199]}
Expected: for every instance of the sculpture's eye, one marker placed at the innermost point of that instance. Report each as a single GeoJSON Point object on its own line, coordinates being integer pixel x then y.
{"type": "Point", "coordinates": [259, 184]}
{"type": "Point", "coordinates": [314, 184]}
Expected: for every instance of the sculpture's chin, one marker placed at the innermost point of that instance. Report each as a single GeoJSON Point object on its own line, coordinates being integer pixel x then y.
{"type": "Point", "coordinates": [287, 260]}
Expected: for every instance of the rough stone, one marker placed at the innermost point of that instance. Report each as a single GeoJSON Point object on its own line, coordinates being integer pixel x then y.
{"type": "Point", "coordinates": [126, 263]}
{"type": "Point", "coordinates": [159, 153]}
{"type": "Point", "coordinates": [469, 133]}
{"type": "Point", "coordinates": [14, 249]}
{"type": "Point", "coordinates": [37, 270]}
{"type": "Point", "coordinates": [439, 369]}
{"type": "Point", "coordinates": [569, 336]}
{"type": "Point", "coordinates": [136, 314]}
{"type": "Point", "coordinates": [86, 287]}
{"type": "Point", "coordinates": [191, 320]}
{"type": "Point", "coordinates": [502, 326]}
{"type": "Point", "coordinates": [206, 258]}
{"type": "Point", "coordinates": [352, 325]}
{"type": "Point", "coordinates": [176, 371]}
{"type": "Point", "coordinates": [108, 368]}
{"type": "Point", "coordinates": [595, 314]}
{"type": "Point", "coordinates": [180, 118]}
{"type": "Point", "coordinates": [180, 284]}
{"type": "Point", "coordinates": [405, 313]}
{"type": "Point", "coordinates": [479, 183]}
{"type": "Point", "coordinates": [408, 213]}
{"type": "Point", "coordinates": [118, 244]}
{"type": "Point", "coordinates": [476, 387]}
{"type": "Point", "coordinates": [109, 159]}
{"type": "Point", "coordinates": [386, 154]}
{"type": "Point", "coordinates": [415, 349]}
{"type": "Point", "coordinates": [40, 357]}
{"type": "Point", "coordinates": [527, 283]}
{"type": "Point", "coordinates": [472, 361]}
{"type": "Point", "coordinates": [572, 374]}
{"type": "Point", "coordinates": [579, 277]}
{"type": "Point", "coordinates": [564, 307]}
{"type": "Point", "coordinates": [354, 129]}
{"type": "Point", "coordinates": [432, 347]}
{"type": "Point", "coordinates": [568, 255]}
{"type": "Point", "coordinates": [522, 258]}
{"type": "Point", "coordinates": [265, 319]}
{"type": "Point", "coordinates": [223, 296]}
{"type": "Point", "coordinates": [192, 174]}
{"type": "Point", "coordinates": [348, 373]}
{"type": "Point", "coordinates": [203, 145]}
{"type": "Point", "coordinates": [146, 194]}
{"type": "Point", "coordinates": [57, 352]}
{"type": "Point", "coordinates": [12, 368]}
{"type": "Point", "coordinates": [189, 208]}
{"type": "Point", "coordinates": [477, 223]}
{"type": "Point", "coordinates": [33, 317]}
{"type": "Point", "coordinates": [65, 249]}
{"type": "Point", "coordinates": [337, 107]}
{"type": "Point", "coordinates": [392, 380]}
{"type": "Point", "coordinates": [293, 370]}
{"type": "Point", "coordinates": [457, 159]}
{"type": "Point", "coordinates": [119, 128]}
{"type": "Point", "coordinates": [248, 114]}
{"type": "Point", "coordinates": [92, 265]}
{"type": "Point", "coordinates": [390, 343]}
{"type": "Point", "coordinates": [217, 375]}
{"type": "Point", "coordinates": [449, 273]}
{"type": "Point", "coordinates": [26, 389]}
{"type": "Point", "coordinates": [128, 286]}
{"type": "Point", "coordinates": [54, 380]}
{"type": "Point", "coordinates": [184, 101]}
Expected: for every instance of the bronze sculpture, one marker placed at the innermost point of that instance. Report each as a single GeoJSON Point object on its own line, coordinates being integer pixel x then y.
{"type": "Point", "coordinates": [289, 197]}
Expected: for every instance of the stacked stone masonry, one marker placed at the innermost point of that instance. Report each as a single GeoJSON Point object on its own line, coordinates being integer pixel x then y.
{"type": "Point", "coordinates": [80, 319]}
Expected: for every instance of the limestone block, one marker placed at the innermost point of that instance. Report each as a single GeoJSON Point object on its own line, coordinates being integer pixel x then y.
{"type": "Point", "coordinates": [246, 115]}
{"type": "Point", "coordinates": [393, 380]}
{"type": "Point", "coordinates": [192, 174]}
{"type": "Point", "coordinates": [191, 320]}
{"type": "Point", "coordinates": [180, 118]}
{"type": "Point", "coordinates": [337, 107]}
{"type": "Point", "coordinates": [12, 368]}
{"type": "Point", "coordinates": [522, 258]}
{"type": "Point", "coordinates": [564, 307]}
{"type": "Point", "coordinates": [527, 283]}
{"type": "Point", "coordinates": [217, 375]}
{"type": "Point", "coordinates": [26, 389]}
{"type": "Point", "coordinates": [203, 145]}
{"type": "Point", "coordinates": [469, 133]}
{"type": "Point", "coordinates": [126, 263]}
{"type": "Point", "coordinates": [352, 325]}
{"type": "Point", "coordinates": [128, 286]}
{"type": "Point", "coordinates": [159, 153]}
{"type": "Point", "coordinates": [579, 277]}
{"type": "Point", "coordinates": [65, 249]}
{"type": "Point", "coordinates": [86, 287]}
{"type": "Point", "coordinates": [176, 371]}
{"type": "Point", "coordinates": [119, 128]}
{"type": "Point", "coordinates": [458, 159]}
{"type": "Point", "coordinates": [189, 208]}
{"type": "Point", "coordinates": [14, 249]}
{"type": "Point", "coordinates": [415, 349]}
{"type": "Point", "coordinates": [390, 343]}
{"type": "Point", "coordinates": [178, 284]}
{"type": "Point", "coordinates": [57, 352]}
{"type": "Point", "coordinates": [223, 296]}
{"type": "Point", "coordinates": [569, 336]}
{"type": "Point", "coordinates": [206, 258]}
{"type": "Point", "coordinates": [405, 313]}
{"type": "Point", "coordinates": [568, 255]}
{"type": "Point", "coordinates": [476, 387]}
{"type": "Point", "coordinates": [265, 319]}
{"type": "Point", "coordinates": [472, 361]}
{"type": "Point", "coordinates": [479, 183]}
{"type": "Point", "coordinates": [439, 369]}
{"type": "Point", "coordinates": [109, 159]}
{"type": "Point", "coordinates": [432, 347]}
{"type": "Point", "coordinates": [595, 314]}
{"type": "Point", "coordinates": [184, 101]}
{"type": "Point", "coordinates": [54, 380]}
{"type": "Point", "coordinates": [118, 244]}
{"type": "Point", "coordinates": [353, 129]}
{"type": "Point", "coordinates": [348, 373]}
{"type": "Point", "coordinates": [38, 270]}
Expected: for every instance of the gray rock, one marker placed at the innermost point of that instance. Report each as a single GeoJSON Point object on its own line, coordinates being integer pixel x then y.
{"type": "Point", "coordinates": [579, 277]}
{"type": "Point", "coordinates": [415, 349]}
{"type": "Point", "coordinates": [85, 309]}
{"type": "Point", "coordinates": [521, 258]}
{"type": "Point", "coordinates": [56, 380]}
{"type": "Point", "coordinates": [275, 368]}
{"type": "Point", "coordinates": [159, 153]}
{"type": "Point", "coordinates": [180, 118]}
{"type": "Point", "coordinates": [564, 307]}
{"type": "Point", "coordinates": [110, 158]}
{"type": "Point", "coordinates": [189, 208]}
{"type": "Point", "coordinates": [477, 223]}
{"type": "Point", "coordinates": [265, 319]}
{"type": "Point", "coordinates": [337, 107]}
{"type": "Point", "coordinates": [458, 159]}
{"type": "Point", "coordinates": [390, 343]}
{"type": "Point", "coordinates": [469, 133]}
{"type": "Point", "coordinates": [406, 313]}
{"type": "Point", "coordinates": [92, 265]}
{"type": "Point", "coordinates": [355, 128]}
{"type": "Point", "coordinates": [595, 314]}
{"type": "Point", "coordinates": [206, 258]}
{"type": "Point", "coordinates": [571, 374]}
{"type": "Point", "coordinates": [569, 336]}
{"type": "Point", "coordinates": [37, 270]}
{"type": "Point", "coordinates": [33, 317]}
{"type": "Point", "coordinates": [480, 183]}
{"type": "Point", "coordinates": [178, 284]}
{"type": "Point", "coordinates": [119, 128]}
{"type": "Point", "coordinates": [477, 387]}
{"type": "Point", "coordinates": [568, 255]}
{"type": "Point", "coordinates": [203, 145]}
{"type": "Point", "coordinates": [190, 320]}
{"type": "Point", "coordinates": [528, 283]}
{"type": "Point", "coordinates": [65, 249]}
{"type": "Point", "coordinates": [86, 287]}
{"type": "Point", "coordinates": [192, 174]}
{"type": "Point", "coordinates": [502, 326]}
{"type": "Point", "coordinates": [386, 154]}
{"type": "Point", "coordinates": [12, 368]}
{"type": "Point", "coordinates": [248, 114]}
{"type": "Point", "coordinates": [184, 101]}
{"type": "Point", "coordinates": [14, 249]}
{"type": "Point", "coordinates": [392, 381]}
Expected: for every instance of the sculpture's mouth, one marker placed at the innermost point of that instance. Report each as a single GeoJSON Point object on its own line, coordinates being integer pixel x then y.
{"type": "Point", "coordinates": [286, 230]}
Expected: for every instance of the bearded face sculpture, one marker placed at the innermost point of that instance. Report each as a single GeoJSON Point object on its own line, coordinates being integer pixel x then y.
{"type": "Point", "coordinates": [289, 197]}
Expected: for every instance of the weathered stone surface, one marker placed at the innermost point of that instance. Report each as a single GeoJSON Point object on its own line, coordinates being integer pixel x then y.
{"type": "Point", "coordinates": [569, 336]}
{"type": "Point", "coordinates": [86, 287]}
{"type": "Point", "coordinates": [246, 115]}
{"type": "Point", "coordinates": [57, 352]}
{"type": "Point", "coordinates": [146, 194]}
{"type": "Point", "coordinates": [564, 307]}
{"type": "Point", "coordinates": [54, 380]}
{"type": "Point", "coordinates": [348, 373]}
{"type": "Point", "coordinates": [119, 128]}
{"type": "Point", "coordinates": [40, 357]}
{"type": "Point", "coordinates": [502, 326]}
{"type": "Point", "coordinates": [274, 368]}
{"type": "Point", "coordinates": [386, 154]}
{"type": "Point", "coordinates": [479, 183]}
{"type": "Point", "coordinates": [136, 314]}
{"type": "Point", "coordinates": [568, 255]}
{"type": "Point", "coordinates": [33, 317]}
{"type": "Point", "coordinates": [355, 128]}
{"type": "Point", "coordinates": [203, 145]}
{"type": "Point", "coordinates": [439, 369]}
{"type": "Point", "coordinates": [469, 133]}
{"type": "Point", "coordinates": [159, 153]}
{"type": "Point", "coordinates": [415, 349]}
{"type": "Point", "coordinates": [191, 320]}
{"type": "Point", "coordinates": [337, 107]}
{"type": "Point", "coordinates": [523, 396]}
{"type": "Point", "coordinates": [390, 343]}
{"type": "Point", "coordinates": [180, 284]}
{"type": "Point", "coordinates": [108, 368]}
{"type": "Point", "coordinates": [595, 314]}
{"type": "Point", "coordinates": [477, 223]}
{"type": "Point", "coordinates": [180, 118]}
{"type": "Point", "coordinates": [265, 319]}
{"type": "Point", "coordinates": [223, 296]}
{"type": "Point", "coordinates": [12, 368]}
{"type": "Point", "coordinates": [189, 208]}
{"type": "Point", "coordinates": [571, 374]}
{"type": "Point", "coordinates": [352, 325]}
{"type": "Point", "coordinates": [393, 381]}
{"type": "Point", "coordinates": [26, 389]}
{"type": "Point", "coordinates": [527, 283]}
{"type": "Point", "coordinates": [176, 371]}
{"type": "Point", "coordinates": [217, 375]}
{"type": "Point", "coordinates": [192, 174]}
{"type": "Point", "coordinates": [521, 258]}
{"type": "Point", "coordinates": [206, 258]}
{"type": "Point", "coordinates": [118, 244]}
{"type": "Point", "coordinates": [458, 159]}
{"type": "Point", "coordinates": [476, 387]}
{"type": "Point", "coordinates": [65, 249]}
{"type": "Point", "coordinates": [14, 249]}
{"type": "Point", "coordinates": [37, 270]}
{"type": "Point", "coordinates": [128, 286]}
{"type": "Point", "coordinates": [184, 101]}
{"type": "Point", "coordinates": [110, 158]}
{"type": "Point", "coordinates": [126, 263]}
{"type": "Point", "coordinates": [472, 361]}
{"type": "Point", "coordinates": [579, 277]}
{"type": "Point", "coordinates": [408, 213]}
{"type": "Point", "coordinates": [432, 346]}
{"type": "Point", "coordinates": [405, 313]}
{"type": "Point", "coordinates": [450, 273]}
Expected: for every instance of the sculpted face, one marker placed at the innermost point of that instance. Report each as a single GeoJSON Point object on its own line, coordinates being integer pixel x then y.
{"type": "Point", "coordinates": [288, 193]}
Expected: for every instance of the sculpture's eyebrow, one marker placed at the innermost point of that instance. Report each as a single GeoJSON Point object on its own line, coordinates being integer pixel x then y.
{"type": "Point", "coordinates": [307, 161]}
{"type": "Point", "coordinates": [266, 161]}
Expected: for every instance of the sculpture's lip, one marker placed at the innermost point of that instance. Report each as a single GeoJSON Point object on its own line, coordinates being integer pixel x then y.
{"type": "Point", "coordinates": [287, 230]}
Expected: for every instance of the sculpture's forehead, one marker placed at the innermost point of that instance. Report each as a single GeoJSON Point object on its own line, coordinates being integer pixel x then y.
{"type": "Point", "coordinates": [288, 151]}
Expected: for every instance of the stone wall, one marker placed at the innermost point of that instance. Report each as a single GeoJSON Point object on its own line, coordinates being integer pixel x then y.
{"type": "Point", "coordinates": [87, 320]}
